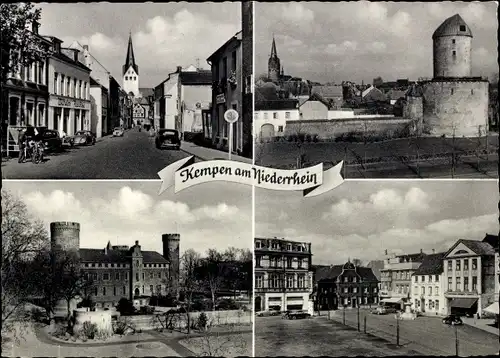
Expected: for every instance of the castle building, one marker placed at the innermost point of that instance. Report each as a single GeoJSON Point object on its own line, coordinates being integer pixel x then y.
{"type": "Point", "coordinates": [345, 285]}
{"type": "Point", "coordinates": [283, 276]}
{"type": "Point", "coordinates": [453, 103]}
{"type": "Point", "coordinates": [131, 71]}
{"type": "Point", "coordinates": [119, 271]}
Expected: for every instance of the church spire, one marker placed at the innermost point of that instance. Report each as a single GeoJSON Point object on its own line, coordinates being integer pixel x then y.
{"type": "Point", "coordinates": [274, 53]}
{"type": "Point", "coordinates": [130, 59]}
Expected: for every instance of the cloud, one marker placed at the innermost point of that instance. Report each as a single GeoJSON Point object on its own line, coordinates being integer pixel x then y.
{"type": "Point", "coordinates": [345, 48]}
{"type": "Point", "coordinates": [297, 14]}
{"type": "Point", "coordinates": [376, 47]}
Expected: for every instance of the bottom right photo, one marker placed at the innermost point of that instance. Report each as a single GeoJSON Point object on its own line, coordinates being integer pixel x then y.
{"type": "Point", "coordinates": [378, 268]}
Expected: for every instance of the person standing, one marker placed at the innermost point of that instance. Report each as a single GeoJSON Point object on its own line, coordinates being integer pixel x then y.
{"type": "Point", "coordinates": [22, 146]}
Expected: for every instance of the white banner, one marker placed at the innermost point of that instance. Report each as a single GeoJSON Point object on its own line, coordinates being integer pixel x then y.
{"type": "Point", "coordinates": [312, 181]}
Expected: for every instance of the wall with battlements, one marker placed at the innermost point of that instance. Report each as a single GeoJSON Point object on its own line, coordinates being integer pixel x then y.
{"type": "Point", "coordinates": [65, 236]}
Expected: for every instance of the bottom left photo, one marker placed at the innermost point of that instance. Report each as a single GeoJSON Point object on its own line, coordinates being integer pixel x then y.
{"type": "Point", "coordinates": [93, 268]}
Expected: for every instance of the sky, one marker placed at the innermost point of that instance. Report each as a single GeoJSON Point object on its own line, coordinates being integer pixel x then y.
{"type": "Point", "coordinates": [359, 41]}
{"type": "Point", "coordinates": [165, 35]}
{"type": "Point", "coordinates": [362, 219]}
{"type": "Point", "coordinates": [212, 215]}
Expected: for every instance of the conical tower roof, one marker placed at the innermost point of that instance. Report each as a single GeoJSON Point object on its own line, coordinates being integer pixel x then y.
{"type": "Point", "coordinates": [274, 53]}
{"type": "Point", "coordinates": [453, 26]}
{"type": "Point", "coordinates": [130, 59]}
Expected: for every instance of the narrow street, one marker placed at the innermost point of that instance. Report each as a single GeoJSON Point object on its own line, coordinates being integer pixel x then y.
{"type": "Point", "coordinates": [132, 156]}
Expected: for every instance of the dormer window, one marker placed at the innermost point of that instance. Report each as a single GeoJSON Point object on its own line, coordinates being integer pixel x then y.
{"type": "Point", "coordinates": [289, 247]}
{"type": "Point", "coordinates": [462, 28]}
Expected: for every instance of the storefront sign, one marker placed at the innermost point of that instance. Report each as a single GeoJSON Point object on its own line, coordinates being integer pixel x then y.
{"type": "Point", "coordinates": [220, 98]}
{"type": "Point", "coordinates": [69, 103]}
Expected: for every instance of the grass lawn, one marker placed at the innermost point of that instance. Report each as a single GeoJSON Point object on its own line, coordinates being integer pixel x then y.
{"type": "Point", "coordinates": [217, 345]}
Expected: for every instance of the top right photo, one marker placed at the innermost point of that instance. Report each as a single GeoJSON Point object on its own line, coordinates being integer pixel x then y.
{"type": "Point", "coordinates": [391, 89]}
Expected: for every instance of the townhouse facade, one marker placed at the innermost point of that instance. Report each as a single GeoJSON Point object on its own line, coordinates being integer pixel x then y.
{"type": "Point", "coordinates": [429, 286]}
{"type": "Point", "coordinates": [69, 90]}
{"type": "Point", "coordinates": [345, 285]}
{"type": "Point", "coordinates": [283, 275]}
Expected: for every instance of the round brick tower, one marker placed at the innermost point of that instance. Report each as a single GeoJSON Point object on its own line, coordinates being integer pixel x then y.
{"type": "Point", "coordinates": [171, 244]}
{"type": "Point", "coordinates": [65, 236]}
{"type": "Point", "coordinates": [452, 43]}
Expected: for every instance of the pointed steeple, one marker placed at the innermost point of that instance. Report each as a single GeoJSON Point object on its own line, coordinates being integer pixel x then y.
{"type": "Point", "coordinates": [274, 53]}
{"type": "Point", "coordinates": [130, 59]}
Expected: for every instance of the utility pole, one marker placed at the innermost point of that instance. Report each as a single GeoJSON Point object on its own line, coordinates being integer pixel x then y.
{"type": "Point", "coordinates": [343, 318]}
{"type": "Point", "coordinates": [359, 322]}
{"type": "Point", "coordinates": [397, 330]}
{"type": "Point", "coordinates": [364, 319]}
{"type": "Point", "coordinates": [456, 340]}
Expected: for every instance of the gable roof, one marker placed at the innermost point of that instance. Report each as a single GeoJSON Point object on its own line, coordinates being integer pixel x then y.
{"type": "Point", "coordinates": [235, 37]}
{"type": "Point", "coordinates": [478, 247]}
{"type": "Point", "coordinates": [328, 91]}
{"type": "Point", "coordinates": [200, 77]}
{"type": "Point", "coordinates": [318, 98]}
{"type": "Point", "coordinates": [277, 104]}
{"type": "Point", "coordinates": [431, 265]}
{"type": "Point", "coordinates": [324, 272]}
{"type": "Point", "coordinates": [119, 256]}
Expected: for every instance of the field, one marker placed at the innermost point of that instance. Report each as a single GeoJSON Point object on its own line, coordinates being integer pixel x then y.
{"type": "Point", "coordinates": [401, 158]}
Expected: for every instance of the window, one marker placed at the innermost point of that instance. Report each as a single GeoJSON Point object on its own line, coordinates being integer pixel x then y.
{"type": "Point", "coordinates": [142, 288]}
{"type": "Point", "coordinates": [449, 265]}
{"type": "Point", "coordinates": [453, 41]}
{"type": "Point", "coordinates": [114, 291]}
{"type": "Point", "coordinates": [450, 283]}
{"type": "Point", "coordinates": [124, 289]}
{"type": "Point", "coordinates": [300, 263]}
{"type": "Point", "coordinates": [346, 290]}
{"type": "Point", "coordinates": [104, 291]}
{"type": "Point", "coordinates": [143, 276]}
{"type": "Point", "coordinates": [436, 290]}
{"type": "Point", "coordinates": [257, 261]}
{"type": "Point", "coordinates": [280, 129]}
{"type": "Point", "coordinates": [258, 281]}
{"type": "Point", "coordinates": [436, 278]}
{"type": "Point", "coordinates": [289, 261]}
{"type": "Point", "coordinates": [462, 28]}
{"type": "Point", "coordinates": [300, 281]}
{"type": "Point", "coordinates": [345, 279]}
{"type": "Point", "coordinates": [96, 291]}
{"type": "Point", "coordinates": [355, 290]}
{"type": "Point", "coordinates": [117, 276]}
{"type": "Point", "coordinates": [416, 279]}
{"type": "Point", "coordinates": [105, 276]}
{"type": "Point", "coordinates": [430, 291]}
{"type": "Point", "coordinates": [458, 284]}
{"type": "Point", "coordinates": [289, 281]}
{"type": "Point", "coordinates": [151, 289]}
{"type": "Point", "coordinates": [159, 274]}
{"type": "Point", "coordinates": [55, 83]}
{"type": "Point", "coordinates": [452, 91]}
{"type": "Point", "coordinates": [265, 115]}
{"type": "Point", "coordinates": [74, 87]}
{"type": "Point", "coordinates": [151, 275]}
{"type": "Point", "coordinates": [275, 115]}
{"type": "Point", "coordinates": [422, 278]}
{"type": "Point", "coordinates": [68, 87]}
{"type": "Point", "coordinates": [454, 53]}
{"type": "Point", "coordinates": [423, 290]}
{"type": "Point", "coordinates": [62, 92]}
{"type": "Point", "coordinates": [137, 276]}
{"type": "Point", "coordinates": [466, 284]}
{"type": "Point", "coordinates": [94, 276]}
{"type": "Point", "coordinates": [158, 289]}
{"type": "Point", "coordinates": [287, 115]}
{"type": "Point", "coordinates": [458, 265]}
{"type": "Point", "coordinates": [466, 264]}
{"type": "Point", "coordinates": [126, 275]}
{"type": "Point", "coordinates": [474, 264]}
{"type": "Point", "coordinates": [474, 283]}
{"type": "Point", "coordinates": [126, 78]}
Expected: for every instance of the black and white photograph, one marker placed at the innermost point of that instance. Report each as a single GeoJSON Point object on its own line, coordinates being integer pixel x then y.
{"type": "Point", "coordinates": [111, 269]}
{"type": "Point", "coordinates": [121, 90]}
{"type": "Point", "coordinates": [378, 268]}
{"type": "Point", "coordinates": [393, 89]}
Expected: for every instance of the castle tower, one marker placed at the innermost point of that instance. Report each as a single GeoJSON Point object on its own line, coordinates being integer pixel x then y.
{"type": "Point", "coordinates": [452, 43]}
{"type": "Point", "coordinates": [130, 71]}
{"type": "Point", "coordinates": [136, 279]}
{"type": "Point", "coordinates": [65, 236]}
{"type": "Point", "coordinates": [171, 253]}
{"type": "Point", "coordinates": [273, 65]}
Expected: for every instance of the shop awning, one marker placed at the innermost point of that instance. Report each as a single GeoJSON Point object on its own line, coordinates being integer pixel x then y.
{"type": "Point", "coordinates": [493, 308]}
{"type": "Point", "coordinates": [392, 300]}
{"type": "Point", "coordinates": [463, 302]}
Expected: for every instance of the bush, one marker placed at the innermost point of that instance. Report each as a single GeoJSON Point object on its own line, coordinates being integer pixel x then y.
{"type": "Point", "coordinates": [228, 304]}
{"type": "Point", "coordinates": [202, 320]}
{"type": "Point", "coordinates": [125, 307]}
{"type": "Point", "coordinates": [146, 310]}
{"type": "Point", "coordinates": [200, 305]}
{"type": "Point", "coordinates": [87, 302]}
{"type": "Point", "coordinates": [89, 330]}
{"type": "Point", "coordinates": [308, 138]}
{"type": "Point", "coordinates": [38, 315]}
{"type": "Point", "coordinates": [120, 326]}
{"type": "Point", "coordinates": [60, 331]}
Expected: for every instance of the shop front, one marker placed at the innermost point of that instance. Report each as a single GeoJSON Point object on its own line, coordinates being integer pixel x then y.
{"type": "Point", "coordinates": [69, 115]}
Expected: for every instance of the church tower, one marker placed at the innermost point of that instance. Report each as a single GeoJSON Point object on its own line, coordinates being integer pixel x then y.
{"type": "Point", "coordinates": [273, 65]}
{"type": "Point", "coordinates": [130, 71]}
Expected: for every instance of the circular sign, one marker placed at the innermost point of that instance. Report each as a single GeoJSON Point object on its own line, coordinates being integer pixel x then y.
{"type": "Point", "coordinates": [231, 116]}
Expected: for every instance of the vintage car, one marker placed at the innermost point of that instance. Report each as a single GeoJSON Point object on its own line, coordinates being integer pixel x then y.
{"type": "Point", "coordinates": [168, 138]}
{"type": "Point", "coordinates": [452, 320]}
{"type": "Point", "coordinates": [295, 315]}
{"type": "Point", "coordinates": [50, 138]}
{"type": "Point", "coordinates": [118, 132]}
{"type": "Point", "coordinates": [84, 138]}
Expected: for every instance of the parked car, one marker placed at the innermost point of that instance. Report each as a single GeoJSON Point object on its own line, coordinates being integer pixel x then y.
{"type": "Point", "coordinates": [268, 313]}
{"type": "Point", "coordinates": [51, 139]}
{"type": "Point", "coordinates": [452, 320]}
{"type": "Point", "coordinates": [168, 138]}
{"type": "Point", "coordinates": [118, 132]}
{"type": "Point", "coordinates": [68, 141]}
{"type": "Point", "coordinates": [84, 138]}
{"type": "Point", "coordinates": [380, 310]}
{"type": "Point", "coordinates": [296, 315]}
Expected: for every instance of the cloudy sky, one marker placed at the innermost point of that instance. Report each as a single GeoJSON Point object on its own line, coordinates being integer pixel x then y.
{"type": "Point", "coordinates": [213, 215]}
{"type": "Point", "coordinates": [164, 35]}
{"type": "Point", "coordinates": [332, 42]}
{"type": "Point", "coordinates": [361, 219]}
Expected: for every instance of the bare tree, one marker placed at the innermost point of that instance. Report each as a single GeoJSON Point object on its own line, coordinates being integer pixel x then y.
{"type": "Point", "coordinates": [190, 262]}
{"type": "Point", "coordinates": [22, 237]}
{"type": "Point", "coordinates": [212, 270]}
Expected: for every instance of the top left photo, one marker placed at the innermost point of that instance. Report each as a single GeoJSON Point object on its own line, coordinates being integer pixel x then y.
{"type": "Point", "coordinates": [123, 90]}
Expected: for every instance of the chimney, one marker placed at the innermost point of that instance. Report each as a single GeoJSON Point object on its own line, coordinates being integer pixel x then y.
{"type": "Point", "coordinates": [75, 54]}
{"type": "Point", "coordinates": [35, 25]}
{"type": "Point", "coordinates": [106, 250]}
{"type": "Point", "coordinates": [85, 47]}
{"type": "Point", "coordinates": [179, 69]}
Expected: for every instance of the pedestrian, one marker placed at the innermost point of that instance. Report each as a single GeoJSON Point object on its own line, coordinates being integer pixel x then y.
{"type": "Point", "coordinates": [22, 146]}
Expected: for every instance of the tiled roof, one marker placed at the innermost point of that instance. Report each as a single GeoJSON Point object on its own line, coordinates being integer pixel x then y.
{"type": "Point", "coordinates": [413, 257]}
{"type": "Point", "coordinates": [451, 27]}
{"type": "Point", "coordinates": [328, 91]}
{"type": "Point", "coordinates": [332, 272]}
{"type": "Point", "coordinates": [201, 77]}
{"type": "Point", "coordinates": [277, 104]}
{"type": "Point", "coordinates": [431, 265]}
{"type": "Point", "coordinates": [319, 98]}
{"type": "Point", "coordinates": [376, 266]}
{"type": "Point", "coordinates": [479, 247]}
{"type": "Point", "coordinates": [266, 93]}
{"type": "Point", "coordinates": [118, 256]}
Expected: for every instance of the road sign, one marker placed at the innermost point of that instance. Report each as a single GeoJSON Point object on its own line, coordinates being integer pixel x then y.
{"type": "Point", "coordinates": [231, 116]}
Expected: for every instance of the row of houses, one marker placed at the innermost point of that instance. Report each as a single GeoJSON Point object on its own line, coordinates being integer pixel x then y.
{"type": "Point", "coordinates": [194, 100]}
{"type": "Point", "coordinates": [68, 90]}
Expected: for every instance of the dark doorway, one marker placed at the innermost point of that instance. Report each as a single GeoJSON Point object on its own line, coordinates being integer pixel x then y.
{"type": "Point", "coordinates": [258, 304]}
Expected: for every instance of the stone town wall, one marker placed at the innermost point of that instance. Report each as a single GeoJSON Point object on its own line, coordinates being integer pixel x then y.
{"type": "Point", "coordinates": [330, 129]}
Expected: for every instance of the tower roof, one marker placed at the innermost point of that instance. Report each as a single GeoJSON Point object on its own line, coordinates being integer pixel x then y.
{"type": "Point", "coordinates": [453, 26]}
{"type": "Point", "coordinates": [130, 59]}
{"type": "Point", "coordinates": [274, 53]}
